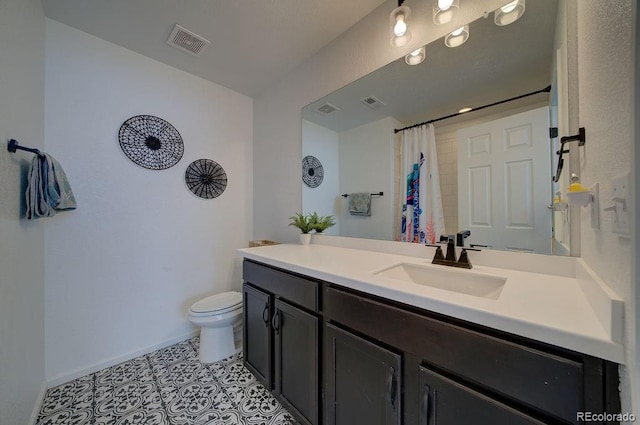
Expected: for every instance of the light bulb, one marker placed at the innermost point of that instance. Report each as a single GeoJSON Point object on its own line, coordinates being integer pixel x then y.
{"type": "Point", "coordinates": [465, 109]}
{"type": "Point", "coordinates": [444, 11]}
{"type": "Point", "coordinates": [509, 7]}
{"type": "Point", "coordinates": [509, 13]}
{"type": "Point", "coordinates": [444, 4]}
{"type": "Point", "coordinates": [416, 57]}
{"type": "Point", "coordinates": [400, 28]}
{"type": "Point", "coordinates": [458, 37]}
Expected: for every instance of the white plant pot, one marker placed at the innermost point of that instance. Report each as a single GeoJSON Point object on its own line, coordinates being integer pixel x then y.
{"type": "Point", "coordinates": [305, 238]}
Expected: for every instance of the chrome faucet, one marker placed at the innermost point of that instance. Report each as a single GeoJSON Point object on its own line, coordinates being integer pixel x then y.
{"type": "Point", "coordinates": [450, 259]}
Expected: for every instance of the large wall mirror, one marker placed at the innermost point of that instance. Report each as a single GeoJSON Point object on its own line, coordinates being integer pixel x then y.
{"type": "Point", "coordinates": [495, 165]}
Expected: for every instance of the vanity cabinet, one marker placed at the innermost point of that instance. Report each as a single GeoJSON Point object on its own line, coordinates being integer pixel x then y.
{"type": "Point", "coordinates": [456, 372]}
{"type": "Point", "coordinates": [388, 363]}
{"type": "Point", "coordinates": [281, 337]}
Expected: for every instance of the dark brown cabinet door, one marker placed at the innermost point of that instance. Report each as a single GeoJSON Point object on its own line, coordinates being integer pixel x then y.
{"type": "Point", "coordinates": [362, 381]}
{"type": "Point", "coordinates": [257, 338]}
{"type": "Point", "coordinates": [296, 361]}
{"type": "Point", "coordinates": [446, 402]}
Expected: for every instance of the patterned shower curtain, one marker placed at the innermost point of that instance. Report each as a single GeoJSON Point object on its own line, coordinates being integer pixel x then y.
{"type": "Point", "coordinates": [420, 208]}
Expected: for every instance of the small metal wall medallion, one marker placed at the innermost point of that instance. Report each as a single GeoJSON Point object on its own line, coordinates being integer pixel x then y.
{"type": "Point", "coordinates": [151, 142]}
{"type": "Point", "coordinates": [312, 171]}
{"type": "Point", "coordinates": [206, 178]}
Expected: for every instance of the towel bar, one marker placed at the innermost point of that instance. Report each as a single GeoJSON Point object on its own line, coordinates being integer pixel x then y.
{"type": "Point", "coordinates": [346, 195]}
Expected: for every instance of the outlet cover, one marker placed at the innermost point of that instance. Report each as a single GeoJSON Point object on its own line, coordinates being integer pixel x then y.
{"type": "Point", "coordinates": [620, 199]}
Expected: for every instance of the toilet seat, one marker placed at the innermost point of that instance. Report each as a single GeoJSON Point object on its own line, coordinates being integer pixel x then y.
{"type": "Point", "coordinates": [217, 304]}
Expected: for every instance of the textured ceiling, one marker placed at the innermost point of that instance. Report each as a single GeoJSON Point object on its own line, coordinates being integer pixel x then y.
{"type": "Point", "coordinates": [254, 43]}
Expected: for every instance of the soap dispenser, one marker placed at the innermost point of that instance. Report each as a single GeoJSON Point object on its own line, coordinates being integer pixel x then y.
{"type": "Point", "coordinates": [578, 194]}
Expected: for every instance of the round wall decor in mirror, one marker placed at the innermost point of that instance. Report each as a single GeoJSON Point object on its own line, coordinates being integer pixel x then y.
{"type": "Point", "coordinates": [151, 142]}
{"type": "Point", "coordinates": [312, 171]}
{"type": "Point", "coordinates": [205, 178]}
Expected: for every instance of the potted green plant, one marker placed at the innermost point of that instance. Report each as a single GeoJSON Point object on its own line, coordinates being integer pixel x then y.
{"type": "Point", "coordinates": [321, 223]}
{"type": "Point", "coordinates": [302, 222]}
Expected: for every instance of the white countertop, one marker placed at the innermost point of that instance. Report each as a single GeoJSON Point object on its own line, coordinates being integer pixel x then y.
{"type": "Point", "coordinates": [576, 312]}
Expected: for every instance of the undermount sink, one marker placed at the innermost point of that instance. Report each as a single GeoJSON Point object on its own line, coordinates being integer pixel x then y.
{"type": "Point", "coordinates": [454, 280]}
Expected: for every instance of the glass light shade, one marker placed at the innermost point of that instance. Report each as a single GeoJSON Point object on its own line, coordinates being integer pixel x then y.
{"type": "Point", "coordinates": [458, 37]}
{"type": "Point", "coordinates": [416, 57]}
{"type": "Point", "coordinates": [444, 11]}
{"type": "Point", "coordinates": [399, 26]}
{"type": "Point", "coordinates": [509, 13]}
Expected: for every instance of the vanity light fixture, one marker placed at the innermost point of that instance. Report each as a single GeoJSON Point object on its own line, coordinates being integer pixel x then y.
{"type": "Point", "coordinates": [458, 37]}
{"type": "Point", "coordinates": [444, 11]}
{"type": "Point", "coordinates": [466, 109]}
{"type": "Point", "coordinates": [509, 13]}
{"type": "Point", "coordinates": [399, 25]}
{"type": "Point", "coordinates": [416, 57]}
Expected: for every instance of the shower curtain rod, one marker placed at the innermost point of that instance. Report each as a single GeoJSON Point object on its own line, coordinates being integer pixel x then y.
{"type": "Point", "coordinates": [544, 90]}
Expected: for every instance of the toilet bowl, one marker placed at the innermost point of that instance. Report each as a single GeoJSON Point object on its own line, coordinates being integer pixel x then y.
{"type": "Point", "coordinates": [217, 317]}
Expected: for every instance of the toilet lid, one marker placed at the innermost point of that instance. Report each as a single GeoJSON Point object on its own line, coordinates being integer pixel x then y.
{"type": "Point", "coordinates": [219, 302]}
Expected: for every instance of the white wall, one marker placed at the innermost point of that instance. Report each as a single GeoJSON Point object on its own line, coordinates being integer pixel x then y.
{"type": "Point", "coordinates": [277, 112]}
{"type": "Point", "coordinates": [366, 165]}
{"type": "Point", "coordinates": [122, 270]}
{"type": "Point", "coordinates": [605, 43]}
{"type": "Point", "coordinates": [324, 199]}
{"type": "Point", "coordinates": [21, 242]}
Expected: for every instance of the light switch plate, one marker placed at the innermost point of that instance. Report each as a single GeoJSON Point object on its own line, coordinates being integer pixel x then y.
{"type": "Point", "coordinates": [620, 199]}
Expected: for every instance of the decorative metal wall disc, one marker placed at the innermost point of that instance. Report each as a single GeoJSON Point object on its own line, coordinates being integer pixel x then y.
{"type": "Point", "coordinates": [312, 171]}
{"type": "Point", "coordinates": [206, 178]}
{"type": "Point", "coordinates": [151, 142]}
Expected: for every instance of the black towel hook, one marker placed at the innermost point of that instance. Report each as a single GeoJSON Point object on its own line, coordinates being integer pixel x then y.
{"type": "Point", "coordinates": [13, 146]}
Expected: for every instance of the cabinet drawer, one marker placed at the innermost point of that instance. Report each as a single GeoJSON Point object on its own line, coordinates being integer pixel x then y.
{"type": "Point", "coordinates": [536, 379]}
{"type": "Point", "coordinates": [297, 289]}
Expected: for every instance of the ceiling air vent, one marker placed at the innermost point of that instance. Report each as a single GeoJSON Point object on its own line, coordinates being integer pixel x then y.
{"type": "Point", "coordinates": [326, 109]}
{"type": "Point", "coordinates": [373, 102]}
{"type": "Point", "coordinates": [188, 41]}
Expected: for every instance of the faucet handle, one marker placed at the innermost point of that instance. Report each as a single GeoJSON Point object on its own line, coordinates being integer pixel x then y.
{"type": "Point", "coordinates": [438, 255]}
{"type": "Point", "coordinates": [464, 260]}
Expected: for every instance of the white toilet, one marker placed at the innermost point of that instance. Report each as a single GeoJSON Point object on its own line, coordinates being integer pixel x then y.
{"type": "Point", "coordinates": [217, 317]}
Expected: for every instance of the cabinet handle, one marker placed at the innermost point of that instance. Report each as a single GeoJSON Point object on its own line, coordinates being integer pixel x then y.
{"type": "Point", "coordinates": [275, 322]}
{"type": "Point", "coordinates": [425, 405]}
{"type": "Point", "coordinates": [429, 402]}
{"type": "Point", "coordinates": [391, 387]}
{"type": "Point", "coordinates": [265, 314]}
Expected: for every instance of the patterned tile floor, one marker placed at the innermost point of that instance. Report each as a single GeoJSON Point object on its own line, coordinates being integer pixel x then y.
{"type": "Point", "coordinates": [168, 386]}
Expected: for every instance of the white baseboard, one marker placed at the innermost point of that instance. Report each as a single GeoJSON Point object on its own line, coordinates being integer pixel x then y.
{"type": "Point", "coordinates": [75, 374]}
{"type": "Point", "coordinates": [36, 408]}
